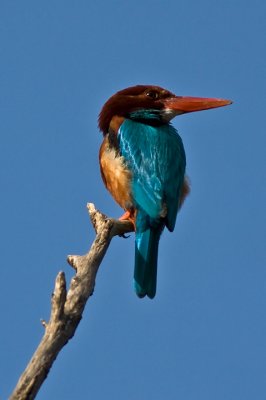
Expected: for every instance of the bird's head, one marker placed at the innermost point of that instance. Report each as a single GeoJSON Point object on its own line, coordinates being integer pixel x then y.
{"type": "Point", "coordinates": [152, 104]}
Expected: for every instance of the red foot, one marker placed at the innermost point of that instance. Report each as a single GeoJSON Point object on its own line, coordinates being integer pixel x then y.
{"type": "Point", "coordinates": [127, 216]}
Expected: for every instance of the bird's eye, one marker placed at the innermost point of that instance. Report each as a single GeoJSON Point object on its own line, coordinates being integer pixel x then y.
{"type": "Point", "coordinates": [153, 95]}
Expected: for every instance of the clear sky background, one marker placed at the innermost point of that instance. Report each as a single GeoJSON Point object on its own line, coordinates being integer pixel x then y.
{"type": "Point", "coordinates": [203, 336]}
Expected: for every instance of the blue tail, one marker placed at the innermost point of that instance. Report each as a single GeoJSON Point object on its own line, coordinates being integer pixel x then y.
{"type": "Point", "coordinates": [146, 254]}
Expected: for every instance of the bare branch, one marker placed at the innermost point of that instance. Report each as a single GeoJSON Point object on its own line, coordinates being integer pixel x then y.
{"type": "Point", "coordinates": [67, 306]}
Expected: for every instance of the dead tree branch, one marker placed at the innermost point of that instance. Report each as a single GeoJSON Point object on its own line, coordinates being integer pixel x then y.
{"type": "Point", "coordinates": [67, 306]}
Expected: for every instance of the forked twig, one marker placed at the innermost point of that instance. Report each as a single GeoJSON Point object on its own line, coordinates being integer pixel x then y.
{"type": "Point", "coordinates": [68, 305]}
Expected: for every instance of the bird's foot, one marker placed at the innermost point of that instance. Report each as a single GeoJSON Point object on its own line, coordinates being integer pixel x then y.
{"type": "Point", "coordinates": [127, 216]}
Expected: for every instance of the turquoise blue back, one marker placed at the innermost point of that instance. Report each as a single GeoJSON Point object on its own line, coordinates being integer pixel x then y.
{"type": "Point", "coordinates": [156, 157]}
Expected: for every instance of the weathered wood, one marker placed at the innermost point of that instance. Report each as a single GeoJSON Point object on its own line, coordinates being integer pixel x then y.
{"type": "Point", "coordinates": [67, 306]}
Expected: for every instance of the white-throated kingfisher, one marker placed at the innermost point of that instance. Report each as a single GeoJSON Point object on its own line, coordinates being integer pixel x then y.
{"type": "Point", "coordinates": [143, 163]}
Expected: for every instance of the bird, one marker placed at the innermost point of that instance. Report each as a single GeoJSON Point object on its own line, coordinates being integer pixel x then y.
{"type": "Point", "coordinates": [143, 166]}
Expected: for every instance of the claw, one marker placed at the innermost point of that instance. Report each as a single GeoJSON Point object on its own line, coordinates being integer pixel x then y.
{"type": "Point", "coordinates": [124, 236]}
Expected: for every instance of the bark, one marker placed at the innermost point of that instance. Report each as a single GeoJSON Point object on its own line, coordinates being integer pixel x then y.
{"type": "Point", "coordinates": [67, 306]}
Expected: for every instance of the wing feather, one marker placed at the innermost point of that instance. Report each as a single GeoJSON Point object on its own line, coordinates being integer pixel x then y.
{"type": "Point", "coordinates": [156, 157]}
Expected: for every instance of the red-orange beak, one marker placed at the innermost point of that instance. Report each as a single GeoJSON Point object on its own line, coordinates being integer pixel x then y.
{"type": "Point", "coordinates": [180, 104]}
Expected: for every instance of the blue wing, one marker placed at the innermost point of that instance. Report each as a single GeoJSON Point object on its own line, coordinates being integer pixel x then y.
{"type": "Point", "coordinates": [156, 157]}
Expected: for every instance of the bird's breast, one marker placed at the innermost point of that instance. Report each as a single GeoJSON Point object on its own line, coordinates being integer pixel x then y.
{"type": "Point", "coordinates": [116, 175]}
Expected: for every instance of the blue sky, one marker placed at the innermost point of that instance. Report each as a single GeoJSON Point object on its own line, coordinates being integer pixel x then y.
{"type": "Point", "coordinates": [203, 336]}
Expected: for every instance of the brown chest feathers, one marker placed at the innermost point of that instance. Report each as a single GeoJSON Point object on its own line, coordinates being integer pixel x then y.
{"type": "Point", "coordinates": [116, 176]}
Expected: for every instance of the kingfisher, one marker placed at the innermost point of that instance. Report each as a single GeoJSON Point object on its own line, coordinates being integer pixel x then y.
{"type": "Point", "coordinates": [143, 166]}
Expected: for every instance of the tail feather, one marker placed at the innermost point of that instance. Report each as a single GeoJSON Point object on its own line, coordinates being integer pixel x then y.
{"type": "Point", "coordinates": [146, 254]}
